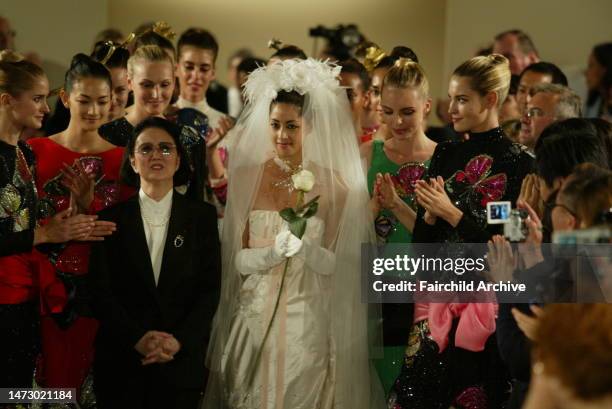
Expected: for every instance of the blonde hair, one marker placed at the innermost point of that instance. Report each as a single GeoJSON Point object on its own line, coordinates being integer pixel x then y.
{"type": "Point", "coordinates": [406, 73]}
{"type": "Point", "coordinates": [16, 74]}
{"type": "Point", "coordinates": [489, 73]}
{"type": "Point", "coordinates": [149, 53]}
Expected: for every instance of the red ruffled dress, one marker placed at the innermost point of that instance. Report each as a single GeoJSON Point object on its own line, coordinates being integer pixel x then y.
{"type": "Point", "coordinates": [68, 339]}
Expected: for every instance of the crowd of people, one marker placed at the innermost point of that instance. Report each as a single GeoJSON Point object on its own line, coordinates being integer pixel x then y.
{"type": "Point", "coordinates": [167, 242]}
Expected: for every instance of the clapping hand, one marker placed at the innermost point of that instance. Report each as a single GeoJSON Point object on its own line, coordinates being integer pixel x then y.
{"type": "Point", "coordinates": [66, 226]}
{"type": "Point", "coordinates": [530, 193]}
{"type": "Point", "coordinates": [433, 198]}
{"type": "Point", "coordinates": [223, 127]}
{"type": "Point", "coordinates": [530, 250]}
{"type": "Point", "coordinates": [80, 183]}
{"type": "Point", "coordinates": [501, 259]}
{"type": "Point", "coordinates": [385, 192]}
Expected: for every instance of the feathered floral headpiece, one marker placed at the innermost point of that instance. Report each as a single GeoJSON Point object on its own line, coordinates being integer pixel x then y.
{"type": "Point", "coordinates": [303, 76]}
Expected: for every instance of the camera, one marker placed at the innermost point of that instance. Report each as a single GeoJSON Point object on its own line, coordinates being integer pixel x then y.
{"type": "Point", "coordinates": [513, 220]}
{"type": "Point", "coordinates": [341, 40]}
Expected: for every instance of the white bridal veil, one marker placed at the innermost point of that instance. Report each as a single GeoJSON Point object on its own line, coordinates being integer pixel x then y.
{"type": "Point", "coordinates": [331, 153]}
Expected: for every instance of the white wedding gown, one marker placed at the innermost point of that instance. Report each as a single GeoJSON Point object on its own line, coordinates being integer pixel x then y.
{"type": "Point", "coordinates": [296, 367]}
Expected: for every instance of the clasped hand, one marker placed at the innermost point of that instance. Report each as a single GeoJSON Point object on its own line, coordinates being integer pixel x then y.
{"type": "Point", "coordinates": [286, 244]}
{"type": "Point", "coordinates": [157, 347]}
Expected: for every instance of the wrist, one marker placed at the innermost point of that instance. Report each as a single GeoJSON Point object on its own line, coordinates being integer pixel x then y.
{"type": "Point", "coordinates": [395, 204]}
{"type": "Point", "coordinates": [40, 235]}
{"type": "Point", "coordinates": [453, 216]}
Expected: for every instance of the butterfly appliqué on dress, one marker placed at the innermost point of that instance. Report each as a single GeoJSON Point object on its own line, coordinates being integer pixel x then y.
{"type": "Point", "coordinates": [58, 196]}
{"type": "Point", "coordinates": [404, 181]}
{"type": "Point", "coordinates": [474, 183]}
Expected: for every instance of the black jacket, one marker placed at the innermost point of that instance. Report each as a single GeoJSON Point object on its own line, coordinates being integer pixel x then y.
{"type": "Point", "coordinates": [128, 303]}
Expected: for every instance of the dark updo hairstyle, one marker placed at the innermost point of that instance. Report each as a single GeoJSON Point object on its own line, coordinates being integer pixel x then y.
{"type": "Point", "coordinates": [289, 52]}
{"type": "Point", "coordinates": [289, 97]}
{"type": "Point", "coordinates": [152, 38]}
{"type": "Point", "coordinates": [352, 66]}
{"type": "Point", "coordinates": [565, 144]}
{"type": "Point", "coordinates": [118, 58]}
{"type": "Point", "coordinates": [182, 174]}
{"type": "Point", "coordinates": [398, 52]}
{"type": "Point", "coordinates": [83, 66]}
{"type": "Point", "coordinates": [250, 64]}
{"type": "Point", "coordinates": [16, 74]}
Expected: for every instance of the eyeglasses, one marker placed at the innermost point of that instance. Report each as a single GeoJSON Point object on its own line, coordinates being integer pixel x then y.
{"type": "Point", "coordinates": [146, 149]}
{"type": "Point", "coordinates": [564, 207]}
{"type": "Point", "coordinates": [536, 113]}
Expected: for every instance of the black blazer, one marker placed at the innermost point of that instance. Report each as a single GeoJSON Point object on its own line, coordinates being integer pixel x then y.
{"type": "Point", "coordinates": [128, 304]}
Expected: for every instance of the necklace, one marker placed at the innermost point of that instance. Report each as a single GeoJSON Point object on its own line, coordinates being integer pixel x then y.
{"type": "Point", "coordinates": [150, 222]}
{"type": "Point", "coordinates": [289, 170]}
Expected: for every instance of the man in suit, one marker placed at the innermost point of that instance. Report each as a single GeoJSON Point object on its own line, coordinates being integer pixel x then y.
{"type": "Point", "coordinates": [155, 284]}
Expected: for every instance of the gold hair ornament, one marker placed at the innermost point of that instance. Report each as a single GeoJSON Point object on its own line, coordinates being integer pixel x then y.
{"type": "Point", "coordinates": [163, 29]}
{"type": "Point", "coordinates": [112, 47]}
{"type": "Point", "coordinates": [372, 57]}
{"type": "Point", "coordinates": [403, 62]}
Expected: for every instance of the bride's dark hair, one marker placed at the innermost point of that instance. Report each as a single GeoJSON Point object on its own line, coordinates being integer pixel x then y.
{"type": "Point", "coordinates": [289, 97]}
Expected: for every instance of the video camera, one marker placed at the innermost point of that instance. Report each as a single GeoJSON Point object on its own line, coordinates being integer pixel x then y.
{"type": "Point", "coordinates": [341, 40]}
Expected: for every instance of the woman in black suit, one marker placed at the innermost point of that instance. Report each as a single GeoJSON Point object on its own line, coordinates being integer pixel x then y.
{"type": "Point", "coordinates": [155, 282]}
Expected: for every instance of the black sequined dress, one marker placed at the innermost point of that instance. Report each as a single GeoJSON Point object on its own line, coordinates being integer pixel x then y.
{"type": "Point", "coordinates": [18, 280]}
{"type": "Point", "coordinates": [487, 167]}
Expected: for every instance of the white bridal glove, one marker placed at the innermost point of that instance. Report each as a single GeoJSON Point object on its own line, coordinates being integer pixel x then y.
{"type": "Point", "coordinates": [319, 259]}
{"type": "Point", "coordinates": [250, 261]}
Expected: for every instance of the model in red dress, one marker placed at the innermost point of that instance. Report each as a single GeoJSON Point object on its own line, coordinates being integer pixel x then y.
{"type": "Point", "coordinates": [76, 169]}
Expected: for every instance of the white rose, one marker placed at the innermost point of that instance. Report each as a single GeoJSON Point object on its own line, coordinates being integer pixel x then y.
{"type": "Point", "coordinates": [303, 180]}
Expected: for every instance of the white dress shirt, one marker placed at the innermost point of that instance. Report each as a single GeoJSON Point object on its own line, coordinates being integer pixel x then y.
{"type": "Point", "coordinates": [155, 219]}
{"type": "Point", "coordinates": [213, 115]}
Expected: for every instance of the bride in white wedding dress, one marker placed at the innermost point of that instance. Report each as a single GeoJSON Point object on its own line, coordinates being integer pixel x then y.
{"type": "Point", "coordinates": [294, 339]}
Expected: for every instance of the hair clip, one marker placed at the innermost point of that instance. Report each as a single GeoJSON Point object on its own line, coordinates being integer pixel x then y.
{"type": "Point", "coordinates": [373, 56]}
{"type": "Point", "coordinates": [111, 49]}
{"type": "Point", "coordinates": [163, 29]}
{"type": "Point", "coordinates": [128, 40]}
{"type": "Point", "coordinates": [402, 62]}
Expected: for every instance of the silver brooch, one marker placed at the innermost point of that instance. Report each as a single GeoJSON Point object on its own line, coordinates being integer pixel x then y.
{"type": "Point", "coordinates": [178, 241]}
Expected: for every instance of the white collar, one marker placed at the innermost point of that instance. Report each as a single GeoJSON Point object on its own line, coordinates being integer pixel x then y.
{"type": "Point", "coordinates": [153, 207]}
{"type": "Point", "coordinates": [200, 105]}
